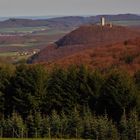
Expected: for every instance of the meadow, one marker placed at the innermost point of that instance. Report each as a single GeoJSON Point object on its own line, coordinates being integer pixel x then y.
{"type": "Point", "coordinates": [22, 29]}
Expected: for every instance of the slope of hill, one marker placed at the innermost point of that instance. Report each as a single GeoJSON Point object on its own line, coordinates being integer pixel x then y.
{"type": "Point", "coordinates": [82, 39]}
{"type": "Point", "coordinates": [124, 55]}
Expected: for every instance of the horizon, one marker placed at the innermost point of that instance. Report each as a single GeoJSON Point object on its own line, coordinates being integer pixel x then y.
{"type": "Point", "coordinates": [68, 15]}
{"type": "Point", "coordinates": [59, 16]}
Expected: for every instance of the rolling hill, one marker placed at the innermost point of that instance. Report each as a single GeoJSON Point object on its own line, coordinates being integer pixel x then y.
{"type": "Point", "coordinates": [83, 38]}
{"type": "Point", "coordinates": [97, 47]}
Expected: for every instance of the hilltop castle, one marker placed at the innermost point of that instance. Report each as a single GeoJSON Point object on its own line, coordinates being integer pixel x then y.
{"type": "Point", "coordinates": [103, 23]}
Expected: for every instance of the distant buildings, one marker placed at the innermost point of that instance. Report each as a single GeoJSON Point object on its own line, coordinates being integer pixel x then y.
{"type": "Point", "coordinates": [31, 52]}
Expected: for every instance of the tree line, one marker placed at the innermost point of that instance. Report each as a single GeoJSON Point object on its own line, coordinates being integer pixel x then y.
{"type": "Point", "coordinates": [68, 103]}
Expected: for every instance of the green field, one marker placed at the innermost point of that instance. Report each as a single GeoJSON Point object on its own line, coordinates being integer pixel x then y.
{"type": "Point", "coordinates": [6, 54]}
{"type": "Point", "coordinates": [25, 45]}
{"type": "Point", "coordinates": [22, 29]}
{"type": "Point", "coordinates": [12, 57]}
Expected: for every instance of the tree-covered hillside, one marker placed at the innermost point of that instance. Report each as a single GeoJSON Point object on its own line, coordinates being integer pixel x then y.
{"type": "Point", "coordinates": [69, 103]}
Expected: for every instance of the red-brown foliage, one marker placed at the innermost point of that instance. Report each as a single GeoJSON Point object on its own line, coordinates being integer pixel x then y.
{"type": "Point", "coordinates": [104, 57]}
{"type": "Point", "coordinates": [96, 34]}
{"type": "Point", "coordinates": [105, 48]}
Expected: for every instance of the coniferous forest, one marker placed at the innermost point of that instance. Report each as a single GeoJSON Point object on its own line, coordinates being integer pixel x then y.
{"type": "Point", "coordinates": [69, 103]}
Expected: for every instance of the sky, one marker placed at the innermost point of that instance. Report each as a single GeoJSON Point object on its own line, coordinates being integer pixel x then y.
{"type": "Point", "coordinates": [67, 7]}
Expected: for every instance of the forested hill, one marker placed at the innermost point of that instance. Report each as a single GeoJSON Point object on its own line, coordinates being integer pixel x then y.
{"type": "Point", "coordinates": [70, 21]}
{"type": "Point", "coordinates": [83, 38]}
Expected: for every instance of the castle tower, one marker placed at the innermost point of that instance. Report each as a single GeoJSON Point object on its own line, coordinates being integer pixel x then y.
{"type": "Point", "coordinates": [102, 21]}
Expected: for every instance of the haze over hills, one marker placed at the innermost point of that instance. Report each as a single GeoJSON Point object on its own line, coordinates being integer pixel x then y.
{"type": "Point", "coordinates": [70, 21]}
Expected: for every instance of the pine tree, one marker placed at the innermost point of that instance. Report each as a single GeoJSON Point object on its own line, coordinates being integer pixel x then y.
{"type": "Point", "coordinates": [29, 88]}
{"type": "Point", "coordinates": [30, 126]}
{"type": "Point", "coordinates": [56, 95]}
{"type": "Point", "coordinates": [18, 125]}
{"type": "Point", "coordinates": [124, 127]}
{"type": "Point", "coordinates": [75, 124]}
{"type": "Point", "coordinates": [8, 128]}
{"type": "Point", "coordinates": [103, 129]}
{"type": "Point", "coordinates": [133, 125]}
{"type": "Point", "coordinates": [64, 125]}
{"type": "Point", "coordinates": [55, 124]}
{"type": "Point", "coordinates": [87, 123]}
{"type": "Point", "coordinates": [6, 73]}
{"type": "Point", "coordinates": [94, 85]}
{"type": "Point", "coordinates": [45, 132]}
{"type": "Point", "coordinates": [118, 92]}
{"type": "Point", "coordinates": [38, 124]}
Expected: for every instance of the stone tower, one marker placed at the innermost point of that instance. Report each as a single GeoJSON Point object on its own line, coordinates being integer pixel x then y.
{"type": "Point", "coordinates": [102, 21]}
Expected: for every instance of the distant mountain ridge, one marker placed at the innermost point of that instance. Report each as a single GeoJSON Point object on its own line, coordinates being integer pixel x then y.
{"type": "Point", "coordinates": [68, 21]}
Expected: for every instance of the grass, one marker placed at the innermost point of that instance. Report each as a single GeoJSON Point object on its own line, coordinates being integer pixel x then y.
{"type": "Point", "coordinates": [11, 57]}
{"type": "Point", "coordinates": [14, 45]}
{"type": "Point", "coordinates": [22, 29]}
{"type": "Point", "coordinates": [6, 54]}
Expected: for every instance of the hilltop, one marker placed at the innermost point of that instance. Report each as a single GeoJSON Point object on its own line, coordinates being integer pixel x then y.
{"type": "Point", "coordinates": [92, 34]}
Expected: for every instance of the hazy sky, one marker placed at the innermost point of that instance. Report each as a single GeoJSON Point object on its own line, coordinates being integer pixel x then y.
{"type": "Point", "coordinates": [67, 7]}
